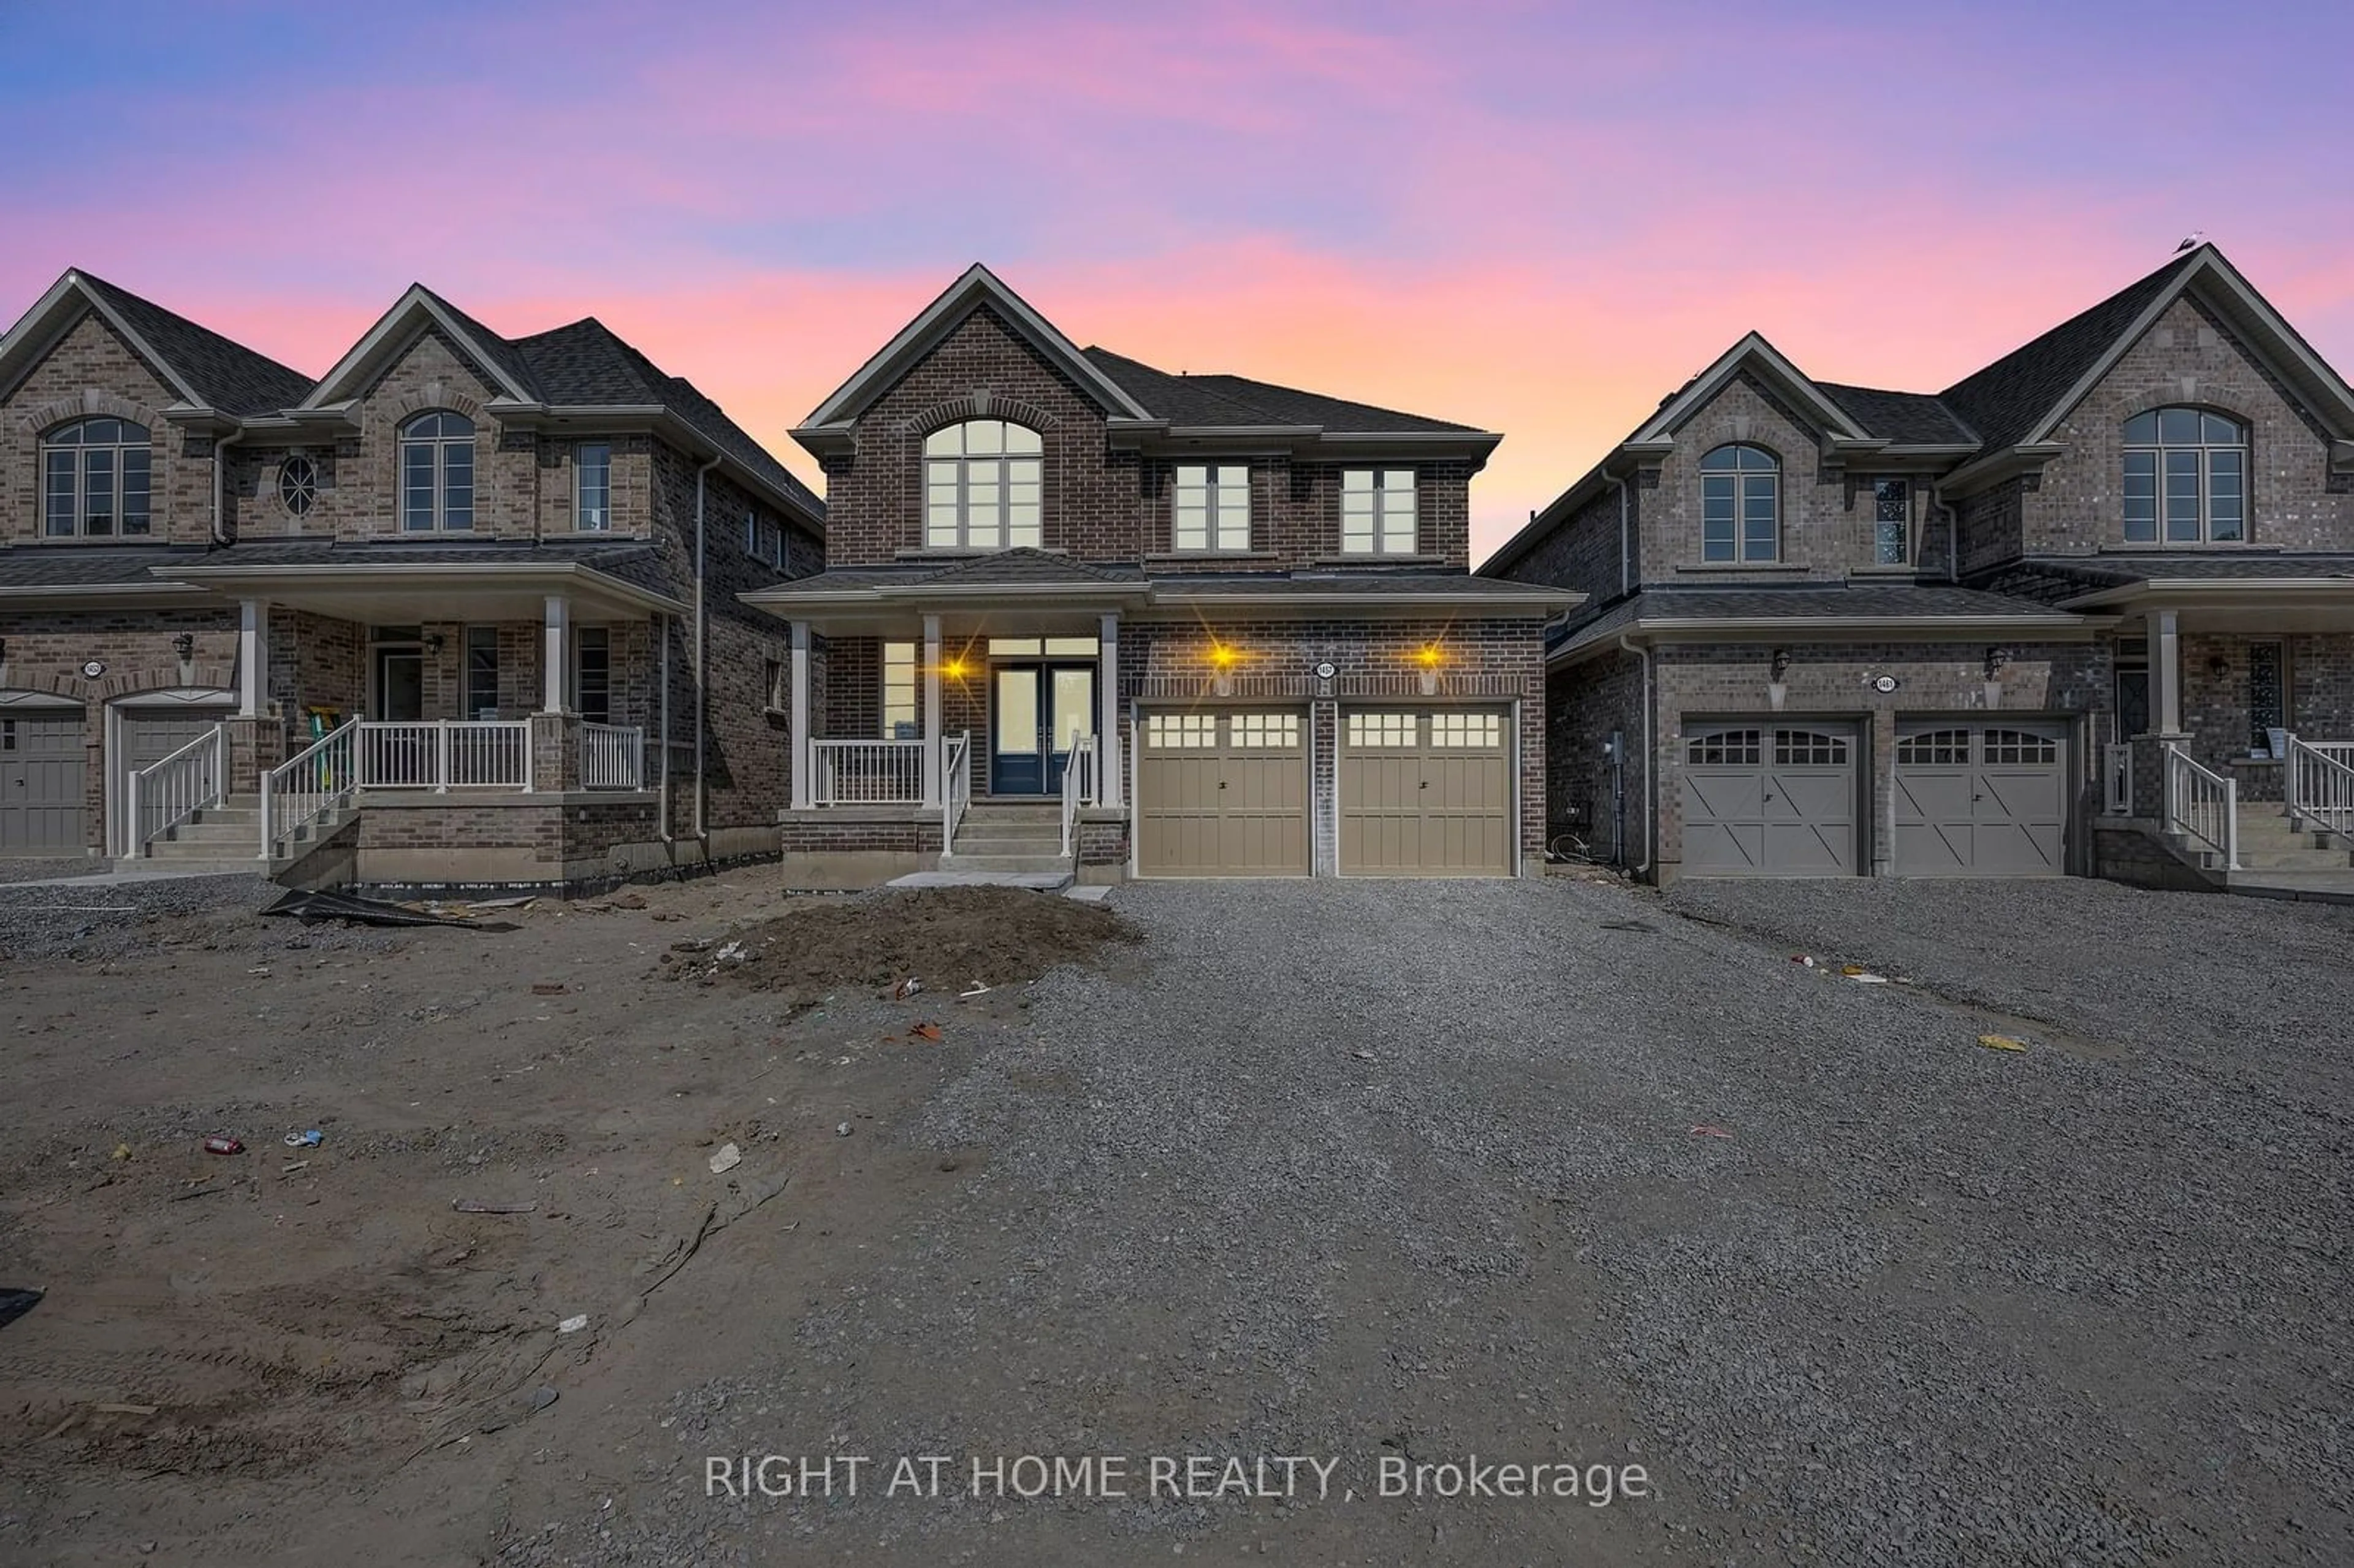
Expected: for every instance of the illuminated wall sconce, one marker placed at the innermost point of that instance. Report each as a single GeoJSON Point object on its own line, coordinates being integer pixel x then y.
{"type": "Point", "coordinates": [1430, 658]}
{"type": "Point", "coordinates": [1996, 657]}
{"type": "Point", "coordinates": [1222, 661]}
{"type": "Point", "coordinates": [1777, 667]}
{"type": "Point", "coordinates": [954, 669]}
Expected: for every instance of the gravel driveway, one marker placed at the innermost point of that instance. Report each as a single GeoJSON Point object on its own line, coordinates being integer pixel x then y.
{"type": "Point", "coordinates": [1548, 1170]}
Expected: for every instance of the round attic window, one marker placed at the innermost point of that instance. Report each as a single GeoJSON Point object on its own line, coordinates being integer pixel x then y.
{"type": "Point", "coordinates": [298, 484]}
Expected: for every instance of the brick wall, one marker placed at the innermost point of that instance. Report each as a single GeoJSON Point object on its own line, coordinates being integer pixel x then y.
{"type": "Point", "coordinates": [1098, 504]}
{"type": "Point", "coordinates": [92, 371]}
{"type": "Point", "coordinates": [1585, 703]}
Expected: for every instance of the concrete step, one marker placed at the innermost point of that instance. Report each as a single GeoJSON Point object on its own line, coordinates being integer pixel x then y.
{"type": "Point", "coordinates": [2268, 859]}
{"type": "Point", "coordinates": [970, 843]}
{"type": "Point", "coordinates": [1017, 864]}
{"type": "Point", "coordinates": [204, 849]}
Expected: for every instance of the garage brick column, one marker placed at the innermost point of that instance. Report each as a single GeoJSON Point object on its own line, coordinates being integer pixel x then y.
{"type": "Point", "coordinates": [252, 657]}
{"type": "Point", "coordinates": [554, 657]}
{"type": "Point", "coordinates": [1108, 791]}
{"type": "Point", "coordinates": [934, 741]}
{"type": "Point", "coordinates": [798, 735]}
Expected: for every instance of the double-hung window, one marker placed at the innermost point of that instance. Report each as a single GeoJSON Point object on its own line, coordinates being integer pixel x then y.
{"type": "Point", "coordinates": [1377, 512]}
{"type": "Point", "coordinates": [1212, 507]}
{"type": "Point", "coordinates": [592, 486]}
{"type": "Point", "coordinates": [1892, 522]}
{"type": "Point", "coordinates": [2186, 478]}
{"type": "Point", "coordinates": [437, 473]}
{"type": "Point", "coordinates": [982, 486]}
{"type": "Point", "coordinates": [899, 690]}
{"type": "Point", "coordinates": [1741, 506]}
{"type": "Point", "coordinates": [94, 480]}
{"type": "Point", "coordinates": [592, 666]}
{"type": "Point", "coordinates": [482, 671]}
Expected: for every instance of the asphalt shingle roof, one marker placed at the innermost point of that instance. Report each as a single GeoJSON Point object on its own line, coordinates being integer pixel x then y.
{"type": "Point", "coordinates": [227, 375]}
{"type": "Point", "coordinates": [2118, 571]}
{"type": "Point", "coordinates": [2010, 398]}
{"type": "Point", "coordinates": [60, 565]}
{"type": "Point", "coordinates": [1761, 601]}
{"type": "Point", "coordinates": [1238, 401]}
{"type": "Point", "coordinates": [1907, 418]}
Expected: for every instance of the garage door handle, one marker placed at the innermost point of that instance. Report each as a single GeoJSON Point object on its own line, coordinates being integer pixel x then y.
{"type": "Point", "coordinates": [1222, 783]}
{"type": "Point", "coordinates": [1768, 796]}
{"type": "Point", "coordinates": [1424, 785]}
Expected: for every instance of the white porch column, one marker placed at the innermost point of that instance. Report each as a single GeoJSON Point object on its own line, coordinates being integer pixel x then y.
{"type": "Point", "coordinates": [2165, 673]}
{"type": "Point", "coordinates": [1108, 786]}
{"type": "Point", "coordinates": [803, 758]}
{"type": "Point", "coordinates": [252, 657]}
{"type": "Point", "coordinates": [933, 739]}
{"type": "Point", "coordinates": [555, 655]}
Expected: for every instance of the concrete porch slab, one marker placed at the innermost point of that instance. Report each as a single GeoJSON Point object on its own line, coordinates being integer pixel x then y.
{"type": "Point", "coordinates": [1036, 881]}
{"type": "Point", "coordinates": [2304, 887]}
{"type": "Point", "coordinates": [1094, 893]}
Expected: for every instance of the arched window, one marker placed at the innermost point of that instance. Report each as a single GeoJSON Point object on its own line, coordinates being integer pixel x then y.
{"type": "Point", "coordinates": [2185, 477]}
{"type": "Point", "coordinates": [1741, 506]}
{"type": "Point", "coordinates": [982, 485]}
{"type": "Point", "coordinates": [437, 473]}
{"type": "Point", "coordinates": [94, 480]}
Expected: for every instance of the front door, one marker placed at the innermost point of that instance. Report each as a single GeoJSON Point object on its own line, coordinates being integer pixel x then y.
{"type": "Point", "coordinates": [1043, 711]}
{"type": "Point", "coordinates": [398, 756]}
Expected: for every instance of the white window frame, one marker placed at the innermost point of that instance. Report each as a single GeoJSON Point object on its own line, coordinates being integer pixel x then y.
{"type": "Point", "coordinates": [2160, 454]}
{"type": "Point", "coordinates": [66, 441]}
{"type": "Point", "coordinates": [898, 682]}
{"type": "Point", "coordinates": [1744, 484]}
{"type": "Point", "coordinates": [440, 444]}
{"type": "Point", "coordinates": [1379, 511]}
{"type": "Point", "coordinates": [984, 486]}
{"type": "Point", "coordinates": [582, 511]}
{"type": "Point", "coordinates": [1210, 509]}
{"type": "Point", "coordinates": [764, 541]}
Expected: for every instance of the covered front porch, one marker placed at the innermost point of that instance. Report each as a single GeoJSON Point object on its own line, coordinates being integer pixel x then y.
{"type": "Point", "coordinates": [438, 720]}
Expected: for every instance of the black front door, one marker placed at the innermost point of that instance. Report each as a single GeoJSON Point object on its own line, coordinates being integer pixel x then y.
{"type": "Point", "coordinates": [1038, 713]}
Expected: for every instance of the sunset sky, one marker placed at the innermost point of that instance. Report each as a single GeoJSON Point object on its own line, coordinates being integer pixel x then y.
{"type": "Point", "coordinates": [1539, 219]}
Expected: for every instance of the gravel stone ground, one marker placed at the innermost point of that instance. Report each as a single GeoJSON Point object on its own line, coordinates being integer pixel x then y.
{"type": "Point", "coordinates": [1546, 1170]}
{"type": "Point", "coordinates": [29, 870]}
{"type": "Point", "coordinates": [126, 919]}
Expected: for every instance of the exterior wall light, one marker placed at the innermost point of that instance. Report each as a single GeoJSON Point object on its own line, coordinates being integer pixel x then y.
{"type": "Point", "coordinates": [1429, 658]}
{"type": "Point", "coordinates": [1777, 666]}
{"type": "Point", "coordinates": [1223, 660]}
{"type": "Point", "coordinates": [954, 669]}
{"type": "Point", "coordinates": [1996, 659]}
{"type": "Point", "coordinates": [185, 645]}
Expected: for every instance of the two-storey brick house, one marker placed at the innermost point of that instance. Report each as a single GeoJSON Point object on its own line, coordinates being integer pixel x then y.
{"type": "Point", "coordinates": [1199, 625]}
{"type": "Point", "coordinates": [463, 612]}
{"type": "Point", "coordinates": [2032, 624]}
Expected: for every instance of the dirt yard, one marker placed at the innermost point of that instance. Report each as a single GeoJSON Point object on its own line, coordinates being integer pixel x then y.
{"type": "Point", "coordinates": [246, 1358]}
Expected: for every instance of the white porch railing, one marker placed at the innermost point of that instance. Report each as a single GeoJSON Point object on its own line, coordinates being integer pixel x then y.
{"type": "Point", "coordinates": [445, 754]}
{"type": "Point", "coordinates": [1080, 787]}
{"type": "Point", "coordinates": [2203, 805]}
{"type": "Point", "coordinates": [308, 785]}
{"type": "Point", "coordinates": [2117, 775]}
{"type": "Point", "coordinates": [956, 785]}
{"type": "Point", "coordinates": [612, 756]}
{"type": "Point", "coordinates": [167, 793]}
{"type": "Point", "coordinates": [2317, 785]}
{"type": "Point", "coordinates": [867, 772]}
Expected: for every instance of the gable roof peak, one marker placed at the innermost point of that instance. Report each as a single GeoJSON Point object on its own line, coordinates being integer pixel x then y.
{"type": "Point", "coordinates": [206, 370]}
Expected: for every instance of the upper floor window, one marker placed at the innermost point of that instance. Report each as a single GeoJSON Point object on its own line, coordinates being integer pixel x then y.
{"type": "Point", "coordinates": [94, 478]}
{"type": "Point", "coordinates": [764, 540]}
{"type": "Point", "coordinates": [1212, 507]}
{"type": "Point", "coordinates": [982, 481]}
{"type": "Point", "coordinates": [1741, 506]}
{"type": "Point", "coordinates": [1377, 512]}
{"type": "Point", "coordinates": [437, 473]}
{"type": "Point", "coordinates": [1892, 522]}
{"type": "Point", "coordinates": [2185, 477]}
{"type": "Point", "coordinates": [592, 486]}
{"type": "Point", "coordinates": [898, 691]}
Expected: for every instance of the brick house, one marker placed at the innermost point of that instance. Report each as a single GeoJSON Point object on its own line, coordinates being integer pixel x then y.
{"type": "Point", "coordinates": [2088, 610]}
{"type": "Point", "coordinates": [464, 611]}
{"type": "Point", "coordinates": [1076, 609]}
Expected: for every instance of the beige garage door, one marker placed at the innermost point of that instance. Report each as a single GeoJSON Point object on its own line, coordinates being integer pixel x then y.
{"type": "Point", "coordinates": [1426, 792]}
{"type": "Point", "coordinates": [1223, 793]}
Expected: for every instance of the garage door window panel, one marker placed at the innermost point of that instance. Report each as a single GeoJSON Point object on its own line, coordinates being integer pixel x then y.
{"type": "Point", "coordinates": [1734, 748]}
{"type": "Point", "coordinates": [1808, 748]}
{"type": "Point", "coordinates": [1376, 731]}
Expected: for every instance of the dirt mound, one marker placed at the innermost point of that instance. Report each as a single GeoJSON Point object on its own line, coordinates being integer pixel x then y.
{"type": "Point", "coordinates": [948, 937]}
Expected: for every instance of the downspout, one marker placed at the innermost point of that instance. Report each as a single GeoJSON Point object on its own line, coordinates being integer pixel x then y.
{"type": "Point", "coordinates": [702, 665]}
{"type": "Point", "coordinates": [1953, 532]}
{"type": "Point", "coordinates": [220, 484]}
{"type": "Point", "coordinates": [662, 810]}
{"type": "Point", "coordinates": [1625, 547]}
{"type": "Point", "coordinates": [1651, 759]}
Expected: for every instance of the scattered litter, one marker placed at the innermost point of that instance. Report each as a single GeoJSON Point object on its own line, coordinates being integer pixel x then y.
{"type": "Point", "coordinates": [223, 1146]}
{"type": "Point", "coordinates": [1804, 958]}
{"type": "Point", "coordinates": [1705, 1130]}
{"type": "Point", "coordinates": [547, 988]}
{"type": "Point", "coordinates": [1362, 1055]}
{"type": "Point", "coordinates": [573, 1325]}
{"type": "Point", "coordinates": [733, 953]}
{"type": "Point", "coordinates": [841, 1130]}
{"type": "Point", "coordinates": [313, 907]}
{"type": "Point", "coordinates": [121, 1152]}
{"type": "Point", "coordinates": [727, 1160]}
{"type": "Point", "coordinates": [476, 1206]}
{"type": "Point", "coordinates": [116, 1408]}
{"type": "Point", "coordinates": [2002, 1043]}
{"type": "Point", "coordinates": [309, 1138]}
{"type": "Point", "coordinates": [1850, 969]}
{"type": "Point", "coordinates": [925, 1032]}
{"type": "Point", "coordinates": [1864, 976]}
{"type": "Point", "coordinates": [261, 970]}
{"type": "Point", "coordinates": [15, 1302]}
{"type": "Point", "coordinates": [297, 1165]}
{"type": "Point", "coordinates": [520, 900]}
{"type": "Point", "coordinates": [905, 989]}
{"type": "Point", "coordinates": [978, 989]}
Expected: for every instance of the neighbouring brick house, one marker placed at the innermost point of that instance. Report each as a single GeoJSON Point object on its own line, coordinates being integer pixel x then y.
{"type": "Point", "coordinates": [2089, 609]}
{"type": "Point", "coordinates": [465, 612]}
{"type": "Point", "coordinates": [1167, 625]}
